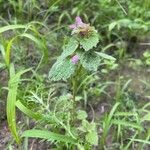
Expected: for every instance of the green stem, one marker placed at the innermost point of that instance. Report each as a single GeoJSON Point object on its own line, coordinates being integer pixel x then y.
{"type": "Point", "coordinates": [74, 89]}
{"type": "Point", "coordinates": [74, 82]}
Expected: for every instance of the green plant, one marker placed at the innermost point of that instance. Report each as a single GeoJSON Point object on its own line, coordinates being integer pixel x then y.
{"type": "Point", "coordinates": [11, 99]}
{"type": "Point", "coordinates": [146, 55]}
{"type": "Point", "coordinates": [89, 101]}
{"type": "Point", "coordinates": [78, 55]}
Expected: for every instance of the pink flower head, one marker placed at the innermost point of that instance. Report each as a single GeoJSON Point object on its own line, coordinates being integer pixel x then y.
{"type": "Point", "coordinates": [75, 59]}
{"type": "Point", "coordinates": [78, 24]}
{"type": "Point", "coordinates": [81, 28]}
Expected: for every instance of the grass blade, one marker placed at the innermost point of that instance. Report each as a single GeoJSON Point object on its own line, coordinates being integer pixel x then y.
{"type": "Point", "coordinates": [11, 27]}
{"type": "Point", "coordinates": [32, 38]}
{"type": "Point", "coordinates": [40, 44]}
{"type": "Point", "coordinates": [27, 111]}
{"type": "Point", "coordinates": [11, 99]}
{"type": "Point", "coordinates": [107, 124]}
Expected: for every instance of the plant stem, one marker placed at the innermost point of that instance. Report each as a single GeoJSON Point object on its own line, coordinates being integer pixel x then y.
{"type": "Point", "coordinates": [74, 89]}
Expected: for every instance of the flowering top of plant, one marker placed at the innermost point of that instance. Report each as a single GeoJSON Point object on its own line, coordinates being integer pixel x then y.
{"type": "Point", "coordinates": [80, 28]}
{"type": "Point", "coordinates": [79, 50]}
{"type": "Point", "coordinates": [78, 24]}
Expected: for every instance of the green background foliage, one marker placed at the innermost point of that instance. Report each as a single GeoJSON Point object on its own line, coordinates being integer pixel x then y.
{"type": "Point", "coordinates": [102, 102]}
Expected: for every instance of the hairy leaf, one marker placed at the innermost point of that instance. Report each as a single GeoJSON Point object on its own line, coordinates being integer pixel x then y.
{"type": "Point", "coordinates": [89, 42]}
{"type": "Point", "coordinates": [62, 70]}
{"type": "Point", "coordinates": [90, 61]}
{"type": "Point", "coordinates": [69, 48]}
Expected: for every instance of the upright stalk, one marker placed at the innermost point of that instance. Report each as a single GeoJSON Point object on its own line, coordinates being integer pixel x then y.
{"type": "Point", "coordinates": [74, 87]}
{"type": "Point", "coordinates": [74, 83]}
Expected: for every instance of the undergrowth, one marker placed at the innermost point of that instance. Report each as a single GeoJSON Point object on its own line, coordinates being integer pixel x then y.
{"type": "Point", "coordinates": [75, 83]}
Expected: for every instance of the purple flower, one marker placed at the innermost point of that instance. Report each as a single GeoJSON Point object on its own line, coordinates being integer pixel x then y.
{"type": "Point", "coordinates": [78, 24]}
{"type": "Point", "coordinates": [81, 28]}
{"type": "Point", "coordinates": [75, 59]}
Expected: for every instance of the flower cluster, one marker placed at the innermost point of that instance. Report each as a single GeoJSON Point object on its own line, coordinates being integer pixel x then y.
{"type": "Point", "coordinates": [81, 28]}
{"type": "Point", "coordinates": [75, 59]}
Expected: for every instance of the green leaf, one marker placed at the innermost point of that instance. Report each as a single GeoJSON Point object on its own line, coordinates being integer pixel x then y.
{"type": "Point", "coordinates": [146, 54]}
{"type": "Point", "coordinates": [62, 70]}
{"type": "Point", "coordinates": [39, 43]}
{"type": "Point", "coordinates": [2, 50]}
{"type": "Point", "coordinates": [8, 51]}
{"type": "Point", "coordinates": [88, 126]}
{"type": "Point", "coordinates": [27, 111]}
{"type": "Point", "coordinates": [90, 61]}
{"type": "Point", "coordinates": [107, 123]}
{"type": "Point", "coordinates": [125, 114]}
{"type": "Point", "coordinates": [126, 123]}
{"type": "Point", "coordinates": [51, 136]}
{"type": "Point", "coordinates": [11, 99]}
{"type": "Point", "coordinates": [146, 117]}
{"type": "Point", "coordinates": [105, 56]}
{"type": "Point", "coordinates": [89, 42]}
{"type": "Point", "coordinates": [141, 141]}
{"type": "Point", "coordinates": [112, 25]}
{"type": "Point", "coordinates": [81, 115]}
{"type": "Point", "coordinates": [80, 147]}
{"type": "Point", "coordinates": [11, 27]}
{"type": "Point", "coordinates": [92, 138]}
{"type": "Point", "coordinates": [69, 48]}
{"type": "Point", "coordinates": [124, 22]}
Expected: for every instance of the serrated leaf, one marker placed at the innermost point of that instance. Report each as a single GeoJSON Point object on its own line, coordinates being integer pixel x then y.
{"type": "Point", "coordinates": [90, 61]}
{"type": "Point", "coordinates": [127, 124]}
{"type": "Point", "coordinates": [88, 126]}
{"type": "Point", "coordinates": [69, 48]}
{"type": "Point", "coordinates": [89, 42]}
{"type": "Point", "coordinates": [51, 136]}
{"type": "Point", "coordinates": [92, 138]}
{"type": "Point", "coordinates": [81, 115]}
{"type": "Point", "coordinates": [62, 70]}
